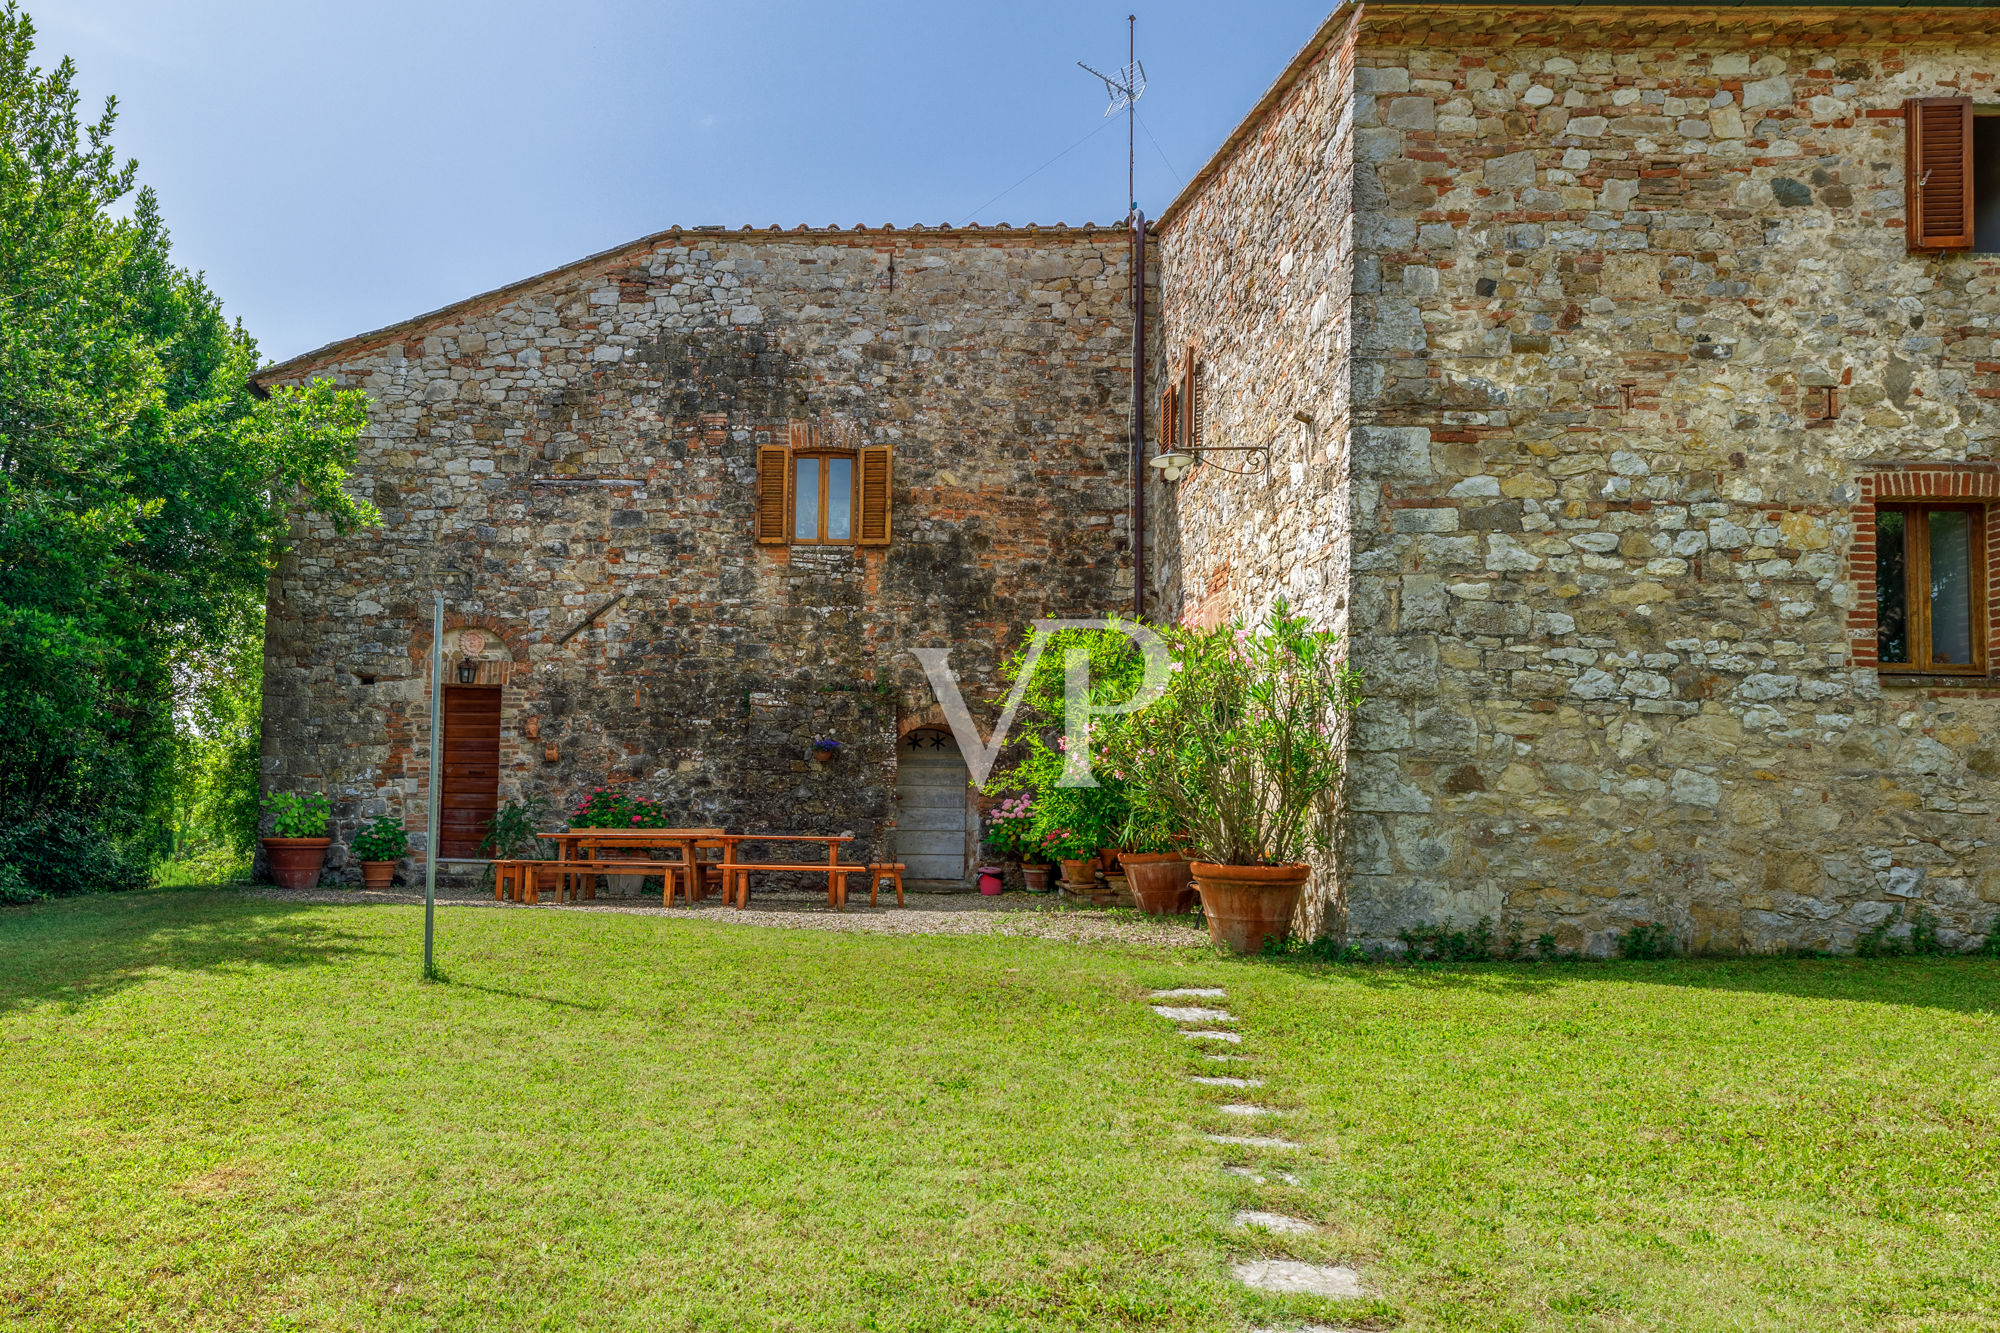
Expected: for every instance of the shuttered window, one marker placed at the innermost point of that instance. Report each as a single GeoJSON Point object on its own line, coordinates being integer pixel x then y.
{"type": "Point", "coordinates": [1181, 406]}
{"type": "Point", "coordinates": [812, 495]}
{"type": "Point", "coordinates": [1937, 172]}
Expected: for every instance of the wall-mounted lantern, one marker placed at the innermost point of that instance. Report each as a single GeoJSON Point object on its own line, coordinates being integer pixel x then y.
{"type": "Point", "coordinates": [468, 671]}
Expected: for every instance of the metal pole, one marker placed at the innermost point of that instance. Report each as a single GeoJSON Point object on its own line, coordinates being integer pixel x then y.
{"type": "Point", "coordinates": [1131, 108]}
{"type": "Point", "coordinates": [1138, 415]}
{"type": "Point", "coordinates": [437, 781]}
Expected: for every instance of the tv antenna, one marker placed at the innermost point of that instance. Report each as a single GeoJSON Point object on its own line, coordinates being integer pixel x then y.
{"type": "Point", "coordinates": [1125, 88]}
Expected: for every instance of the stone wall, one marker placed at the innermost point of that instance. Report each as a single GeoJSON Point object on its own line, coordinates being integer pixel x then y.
{"type": "Point", "coordinates": [1607, 266]}
{"type": "Point", "coordinates": [592, 433]}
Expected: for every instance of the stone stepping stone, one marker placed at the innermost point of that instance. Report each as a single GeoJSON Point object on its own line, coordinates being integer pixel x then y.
{"type": "Point", "coordinates": [1224, 1081]}
{"type": "Point", "coordinates": [1246, 1108]}
{"type": "Point", "coordinates": [1213, 1036]}
{"type": "Point", "coordinates": [1190, 993]}
{"type": "Point", "coordinates": [1252, 1141]}
{"type": "Point", "coordinates": [1222, 1055]}
{"type": "Point", "coordinates": [1302, 1328]}
{"type": "Point", "coordinates": [1275, 1222]}
{"type": "Point", "coordinates": [1256, 1177]}
{"type": "Point", "coordinates": [1194, 1015]}
{"type": "Point", "coordinates": [1287, 1276]}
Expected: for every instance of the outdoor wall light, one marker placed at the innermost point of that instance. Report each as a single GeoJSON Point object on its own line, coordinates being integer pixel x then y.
{"type": "Point", "coordinates": [468, 671]}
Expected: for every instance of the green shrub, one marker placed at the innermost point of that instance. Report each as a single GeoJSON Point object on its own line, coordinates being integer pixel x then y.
{"type": "Point", "coordinates": [61, 854]}
{"type": "Point", "coordinates": [294, 816]}
{"type": "Point", "coordinates": [1425, 943]}
{"type": "Point", "coordinates": [382, 840]}
{"type": "Point", "coordinates": [1648, 939]}
{"type": "Point", "coordinates": [14, 889]}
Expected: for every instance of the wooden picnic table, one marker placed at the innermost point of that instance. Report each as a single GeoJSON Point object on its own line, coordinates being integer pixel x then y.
{"type": "Point", "coordinates": [733, 869]}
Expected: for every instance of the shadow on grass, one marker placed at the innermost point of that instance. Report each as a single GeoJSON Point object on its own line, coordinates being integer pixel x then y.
{"type": "Point", "coordinates": [1963, 984]}
{"type": "Point", "coordinates": [80, 950]}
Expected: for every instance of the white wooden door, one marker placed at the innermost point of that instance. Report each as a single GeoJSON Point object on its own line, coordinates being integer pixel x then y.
{"type": "Point", "coordinates": [931, 801]}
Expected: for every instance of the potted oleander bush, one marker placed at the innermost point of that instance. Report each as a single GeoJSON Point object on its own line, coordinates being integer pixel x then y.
{"type": "Point", "coordinates": [1240, 758]}
{"type": "Point", "coordinates": [378, 848]}
{"type": "Point", "coordinates": [295, 848]}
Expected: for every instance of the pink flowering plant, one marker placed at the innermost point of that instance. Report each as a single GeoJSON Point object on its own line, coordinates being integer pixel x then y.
{"type": "Point", "coordinates": [1242, 754]}
{"type": "Point", "coordinates": [607, 808]}
{"type": "Point", "coordinates": [1010, 828]}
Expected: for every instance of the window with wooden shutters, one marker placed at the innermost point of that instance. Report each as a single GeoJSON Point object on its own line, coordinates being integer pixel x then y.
{"type": "Point", "coordinates": [1938, 172]}
{"type": "Point", "coordinates": [874, 526]}
{"type": "Point", "coordinates": [823, 488]}
{"type": "Point", "coordinates": [774, 494]}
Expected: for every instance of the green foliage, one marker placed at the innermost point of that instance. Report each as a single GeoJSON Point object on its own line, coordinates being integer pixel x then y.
{"type": "Point", "coordinates": [59, 853]}
{"type": "Point", "coordinates": [296, 816]}
{"type": "Point", "coordinates": [1424, 943]}
{"type": "Point", "coordinates": [606, 808]}
{"type": "Point", "coordinates": [1647, 939]}
{"type": "Point", "coordinates": [1241, 755]}
{"type": "Point", "coordinates": [511, 835]}
{"type": "Point", "coordinates": [1990, 946]}
{"type": "Point", "coordinates": [384, 840]}
{"type": "Point", "coordinates": [1073, 821]}
{"type": "Point", "coordinates": [14, 888]}
{"type": "Point", "coordinates": [144, 486]}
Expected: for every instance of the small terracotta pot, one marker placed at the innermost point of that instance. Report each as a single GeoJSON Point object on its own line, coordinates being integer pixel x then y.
{"type": "Point", "coordinates": [1081, 871]}
{"type": "Point", "coordinates": [1107, 859]}
{"type": "Point", "coordinates": [1247, 905]}
{"type": "Point", "coordinates": [377, 874]}
{"type": "Point", "coordinates": [295, 862]}
{"type": "Point", "coordinates": [1162, 882]}
{"type": "Point", "coordinates": [824, 756]}
{"type": "Point", "coordinates": [1035, 877]}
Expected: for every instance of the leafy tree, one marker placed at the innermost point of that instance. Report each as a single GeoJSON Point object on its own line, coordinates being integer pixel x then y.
{"type": "Point", "coordinates": [143, 483]}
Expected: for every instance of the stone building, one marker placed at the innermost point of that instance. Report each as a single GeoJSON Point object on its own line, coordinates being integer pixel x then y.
{"type": "Point", "coordinates": [1635, 406]}
{"type": "Point", "coordinates": [689, 502]}
{"type": "Point", "coordinates": [1606, 374]}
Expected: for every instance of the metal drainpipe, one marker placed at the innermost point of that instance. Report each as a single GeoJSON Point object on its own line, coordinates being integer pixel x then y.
{"type": "Point", "coordinates": [1138, 415]}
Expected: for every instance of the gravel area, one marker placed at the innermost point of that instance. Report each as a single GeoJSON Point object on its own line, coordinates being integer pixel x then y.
{"type": "Point", "coordinates": [1031, 915]}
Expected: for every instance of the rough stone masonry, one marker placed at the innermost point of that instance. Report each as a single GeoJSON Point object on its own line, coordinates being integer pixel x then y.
{"type": "Point", "coordinates": [586, 442]}
{"type": "Point", "coordinates": [1610, 339]}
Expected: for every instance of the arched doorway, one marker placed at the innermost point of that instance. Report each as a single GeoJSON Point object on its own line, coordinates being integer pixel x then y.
{"type": "Point", "coordinates": [933, 829]}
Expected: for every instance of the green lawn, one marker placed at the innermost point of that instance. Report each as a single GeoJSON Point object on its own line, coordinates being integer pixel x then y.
{"type": "Point", "coordinates": [224, 1112]}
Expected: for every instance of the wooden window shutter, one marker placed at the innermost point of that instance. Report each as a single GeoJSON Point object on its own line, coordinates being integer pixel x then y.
{"type": "Point", "coordinates": [1186, 427]}
{"type": "Point", "coordinates": [874, 527]}
{"type": "Point", "coordinates": [774, 494]}
{"type": "Point", "coordinates": [1937, 172]}
{"type": "Point", "coordinates": [1198, 430]}
{"type": "Point", "coordinates": [1166, 418]}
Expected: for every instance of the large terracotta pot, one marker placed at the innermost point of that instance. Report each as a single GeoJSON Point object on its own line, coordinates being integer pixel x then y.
{"type": "Point", "coordinates": [1035, 876]}
{"type": "Point", "coordinates": [1247, 905]}
{"type": "Point", "coordinates": [295, 862]}
{"type": "Point", "coordinates": [377, 874]}
{"type": "Point", "coordinates": [1080, 871]}
{"type": "Point", "coordinates": [1162, 882]}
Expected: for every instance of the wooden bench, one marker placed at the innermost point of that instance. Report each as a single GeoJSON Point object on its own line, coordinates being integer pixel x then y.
{"type": "Point", "coordinates": [836, 878]}
{"type": "Point", "coordinates": [889, 870]}
{"type": "Point", "coordinates": [515, 881]}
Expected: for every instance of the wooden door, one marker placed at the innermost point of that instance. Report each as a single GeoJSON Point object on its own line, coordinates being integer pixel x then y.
{"type": "Point", "coordinates": [931, 801]}
{"type": "Point", "coordinates": [471, 768]}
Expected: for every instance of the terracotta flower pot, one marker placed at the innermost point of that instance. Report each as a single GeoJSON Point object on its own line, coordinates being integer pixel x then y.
{"type": "Point", "coordinates": [1247, 905]}
{"type": "Point", "coordinates": [1107, 859]}
{"type": "Point", "coordinates": [1035, 877]}
{"type": "Point", "coordinates": [1081, 871]}
{"type": "Point", "coordinates": [377, 874]}
{"type": "Point", "coordinates": [295, 862]}
{"type": "Point", "coordinates": [1162, 882]}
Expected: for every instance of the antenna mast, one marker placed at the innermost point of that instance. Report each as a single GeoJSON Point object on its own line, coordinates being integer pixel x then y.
{"type": "Point", "coordinates": [1125, 89]}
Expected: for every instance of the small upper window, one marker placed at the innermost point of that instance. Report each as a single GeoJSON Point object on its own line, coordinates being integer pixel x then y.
{"type": "Point", "coordinates": [808, 495]}
{"type": "Point", "coordinates": [1930, 588]}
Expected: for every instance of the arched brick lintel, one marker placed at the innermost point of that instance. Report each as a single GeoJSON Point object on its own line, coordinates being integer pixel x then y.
{"type": "Point", "coordinates": [420, 638]}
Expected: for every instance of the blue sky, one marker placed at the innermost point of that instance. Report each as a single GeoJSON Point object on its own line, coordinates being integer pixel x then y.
{"type": "Point", "coordinates": [335, 168]}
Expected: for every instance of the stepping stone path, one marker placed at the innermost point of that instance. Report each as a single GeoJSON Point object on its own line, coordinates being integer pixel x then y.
{"type": "Point", "coordinates": [1283, 1276]}
{"type": "Point", "coordinates": [1194, 1015]}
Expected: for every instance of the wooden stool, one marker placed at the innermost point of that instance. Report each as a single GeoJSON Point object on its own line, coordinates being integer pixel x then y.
{"type": "Point", "coordinates": [881, 870]}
